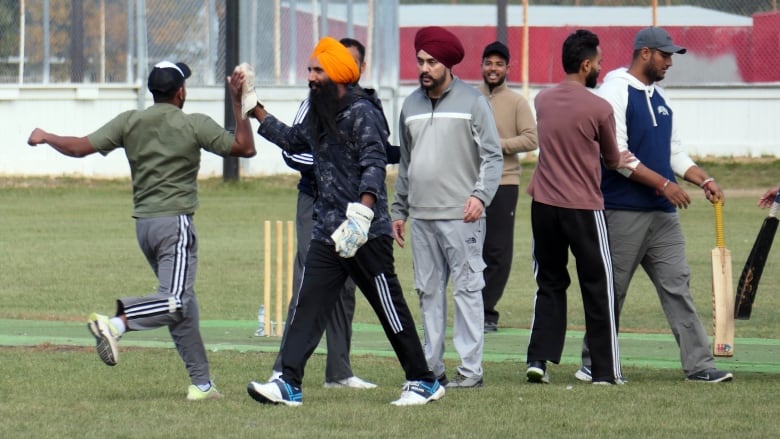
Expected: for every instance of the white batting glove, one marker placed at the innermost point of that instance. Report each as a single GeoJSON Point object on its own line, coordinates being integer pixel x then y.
{"type": "Point", "coordinates": [248, 96]}
{"type": "Point", "coordinates": [353, 232]}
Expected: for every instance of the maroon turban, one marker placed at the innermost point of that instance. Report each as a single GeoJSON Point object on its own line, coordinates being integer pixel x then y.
{"type": "Point", "coordinates": [440, 44]}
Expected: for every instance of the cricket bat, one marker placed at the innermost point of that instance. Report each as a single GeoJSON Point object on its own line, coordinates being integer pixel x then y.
{"type": "Point", "coordinates": [722, 293]}
{"type": "Point", "coordinates": [754, 266]}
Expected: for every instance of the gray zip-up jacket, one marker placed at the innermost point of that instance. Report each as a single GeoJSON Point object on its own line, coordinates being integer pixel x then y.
{"type": "Point", "coordinates": [448, 153]}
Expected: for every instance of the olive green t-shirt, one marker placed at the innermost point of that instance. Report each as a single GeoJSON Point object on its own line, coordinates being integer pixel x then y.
{"type": "Point", "coordinates": [162, 145]}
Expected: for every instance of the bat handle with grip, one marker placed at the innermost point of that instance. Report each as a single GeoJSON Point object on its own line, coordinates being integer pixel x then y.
{"type": "Point", "coordinates": [720, 241]}
{"type": "Point", "coordinates": [775, 206]}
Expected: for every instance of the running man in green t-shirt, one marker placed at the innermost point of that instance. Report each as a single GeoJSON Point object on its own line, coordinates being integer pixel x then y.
{"type": "Point", "coordinates": [163, 147]}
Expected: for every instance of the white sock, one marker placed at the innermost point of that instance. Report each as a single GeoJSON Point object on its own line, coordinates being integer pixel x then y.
{"type": "Point", "coordinates": [204, 387]}
{"type": "Point", "coordinates": [119, 324]}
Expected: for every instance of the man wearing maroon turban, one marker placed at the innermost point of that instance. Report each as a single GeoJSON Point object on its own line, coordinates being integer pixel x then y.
{"type": "Point", "coordinates": [440, 44]}
{"type": "Point", "coordinates": [448, 132]}
{"type": "Point", "coordinates": [352, 235]}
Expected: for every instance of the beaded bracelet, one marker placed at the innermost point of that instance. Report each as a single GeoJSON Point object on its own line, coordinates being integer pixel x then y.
{"type": "Point", "coordinates": [706, 181]}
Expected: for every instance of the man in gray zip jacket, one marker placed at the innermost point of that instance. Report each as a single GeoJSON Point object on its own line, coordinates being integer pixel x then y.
{"type": "Point", "coordinates": [449, 170]}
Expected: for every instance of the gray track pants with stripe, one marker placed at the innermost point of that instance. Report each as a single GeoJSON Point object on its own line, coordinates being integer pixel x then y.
{"type": "Point", "coordinates": [171, 248]}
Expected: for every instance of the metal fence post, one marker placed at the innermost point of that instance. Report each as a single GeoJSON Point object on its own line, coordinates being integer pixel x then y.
{"type": "Point", "coordinates": [230, 164]}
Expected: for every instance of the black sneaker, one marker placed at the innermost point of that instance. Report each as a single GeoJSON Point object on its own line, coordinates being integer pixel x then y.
{"type": "Point", "coordinates": [710, 376]}
{"type": "Point", "coordinates": [537, 372]}
{"type": "Point", "coordinates": [443, 379]}
{"type": "Point", "coordinates": [491, 327]}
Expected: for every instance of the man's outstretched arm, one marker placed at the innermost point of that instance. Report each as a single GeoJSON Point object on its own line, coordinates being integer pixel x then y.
{"type": "Point", "coordinates": [68, 145]}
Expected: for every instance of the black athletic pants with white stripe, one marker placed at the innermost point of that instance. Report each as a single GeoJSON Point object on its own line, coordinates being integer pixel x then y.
{"type": "Point", "coordinates": [372, 269]}
{"type": "Point", "coordinates": [555, 231]}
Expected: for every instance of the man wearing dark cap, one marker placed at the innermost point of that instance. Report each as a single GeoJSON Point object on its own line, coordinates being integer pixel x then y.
{"type": "Point", "coordinates": [449, 171]}
{"type": "Point", "coordinates": [352, 235]}
{"type": "Point", "coordinates": [641, 202]}
{"type": "Point", "coordinates": [166, 77]}
{"type": "Point", "coordinates": [163, 147]}
{"type": "Point", "coordinates": [517, 131]}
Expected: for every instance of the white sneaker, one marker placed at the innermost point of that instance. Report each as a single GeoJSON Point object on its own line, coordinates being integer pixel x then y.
{"type": "Point", "coordinates": [275, 375]}
{"type": "Point", "coordinates": [352, 382]}
{"type": "Point", "coordinates": [420, 393]}
{"type": "Point", "coordinates": [583, 374]}
{"type": "Point", "coordinates": [275, 392]}
{"type": "Point", "coordinates": [106, 337]}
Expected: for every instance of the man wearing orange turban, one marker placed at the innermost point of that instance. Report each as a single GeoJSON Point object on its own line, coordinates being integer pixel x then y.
{"type": "Point", "coordinates": [352, 236]}
{"type": "Point", "coordinates": [337, 61]}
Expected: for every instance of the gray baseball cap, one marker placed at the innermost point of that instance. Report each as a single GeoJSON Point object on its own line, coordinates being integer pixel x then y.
{"type": "Point", "coordinates": [656, 38]}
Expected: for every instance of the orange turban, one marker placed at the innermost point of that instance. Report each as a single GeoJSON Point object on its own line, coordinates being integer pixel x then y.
{"type": "Point", "coordinates": [337, 61]}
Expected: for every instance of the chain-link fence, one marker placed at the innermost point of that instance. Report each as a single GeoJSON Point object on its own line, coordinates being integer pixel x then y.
{"type": "Point", "coordinates": [117, 41]}
{"type": "Point", "coordinates": [740, 7]}
{"type": "Point", "coordinates": [728, 41]}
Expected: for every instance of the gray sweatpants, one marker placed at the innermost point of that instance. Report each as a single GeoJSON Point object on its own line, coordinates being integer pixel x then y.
{"type": "Point", "coordinates": [442, 249]}
{"type": "Point", "coordinates": [171, 248]}
{"type": "Point", "coordinates": [655, 241]}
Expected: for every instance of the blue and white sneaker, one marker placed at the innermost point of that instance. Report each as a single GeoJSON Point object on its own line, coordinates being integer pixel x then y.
{"type": "Point", "coordinates": [583, 374]}
{"type": "Point", "coordinates": [275, 392]}
{"type": "Point", "coordinates": [420, 393]}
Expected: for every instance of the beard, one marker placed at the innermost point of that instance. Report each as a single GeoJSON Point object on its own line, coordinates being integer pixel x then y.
{"type": "Point", "coordinates": [493, 83]}
{"type": "Point", "coordinates": [324, 106]}
{"type": "Point", "coordinates": [435, 82]}
{"type": "Point", "coordinates": [592, 79]}
{"type": "Point", "coordinates": [653, 74]}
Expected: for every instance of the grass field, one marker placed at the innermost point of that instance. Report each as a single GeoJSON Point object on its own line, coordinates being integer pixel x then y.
{"type": "Point", "coordinates": [68, 248]}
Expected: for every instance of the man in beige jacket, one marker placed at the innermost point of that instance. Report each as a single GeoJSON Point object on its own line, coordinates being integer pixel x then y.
{"type": "Point", "coordinates": [517, 130]}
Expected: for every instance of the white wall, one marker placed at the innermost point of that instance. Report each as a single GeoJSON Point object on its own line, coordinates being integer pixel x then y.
{"type": "Point", "coordinates": [713, 121]}
{"type": "Point", "coordinates": [729, 121]}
